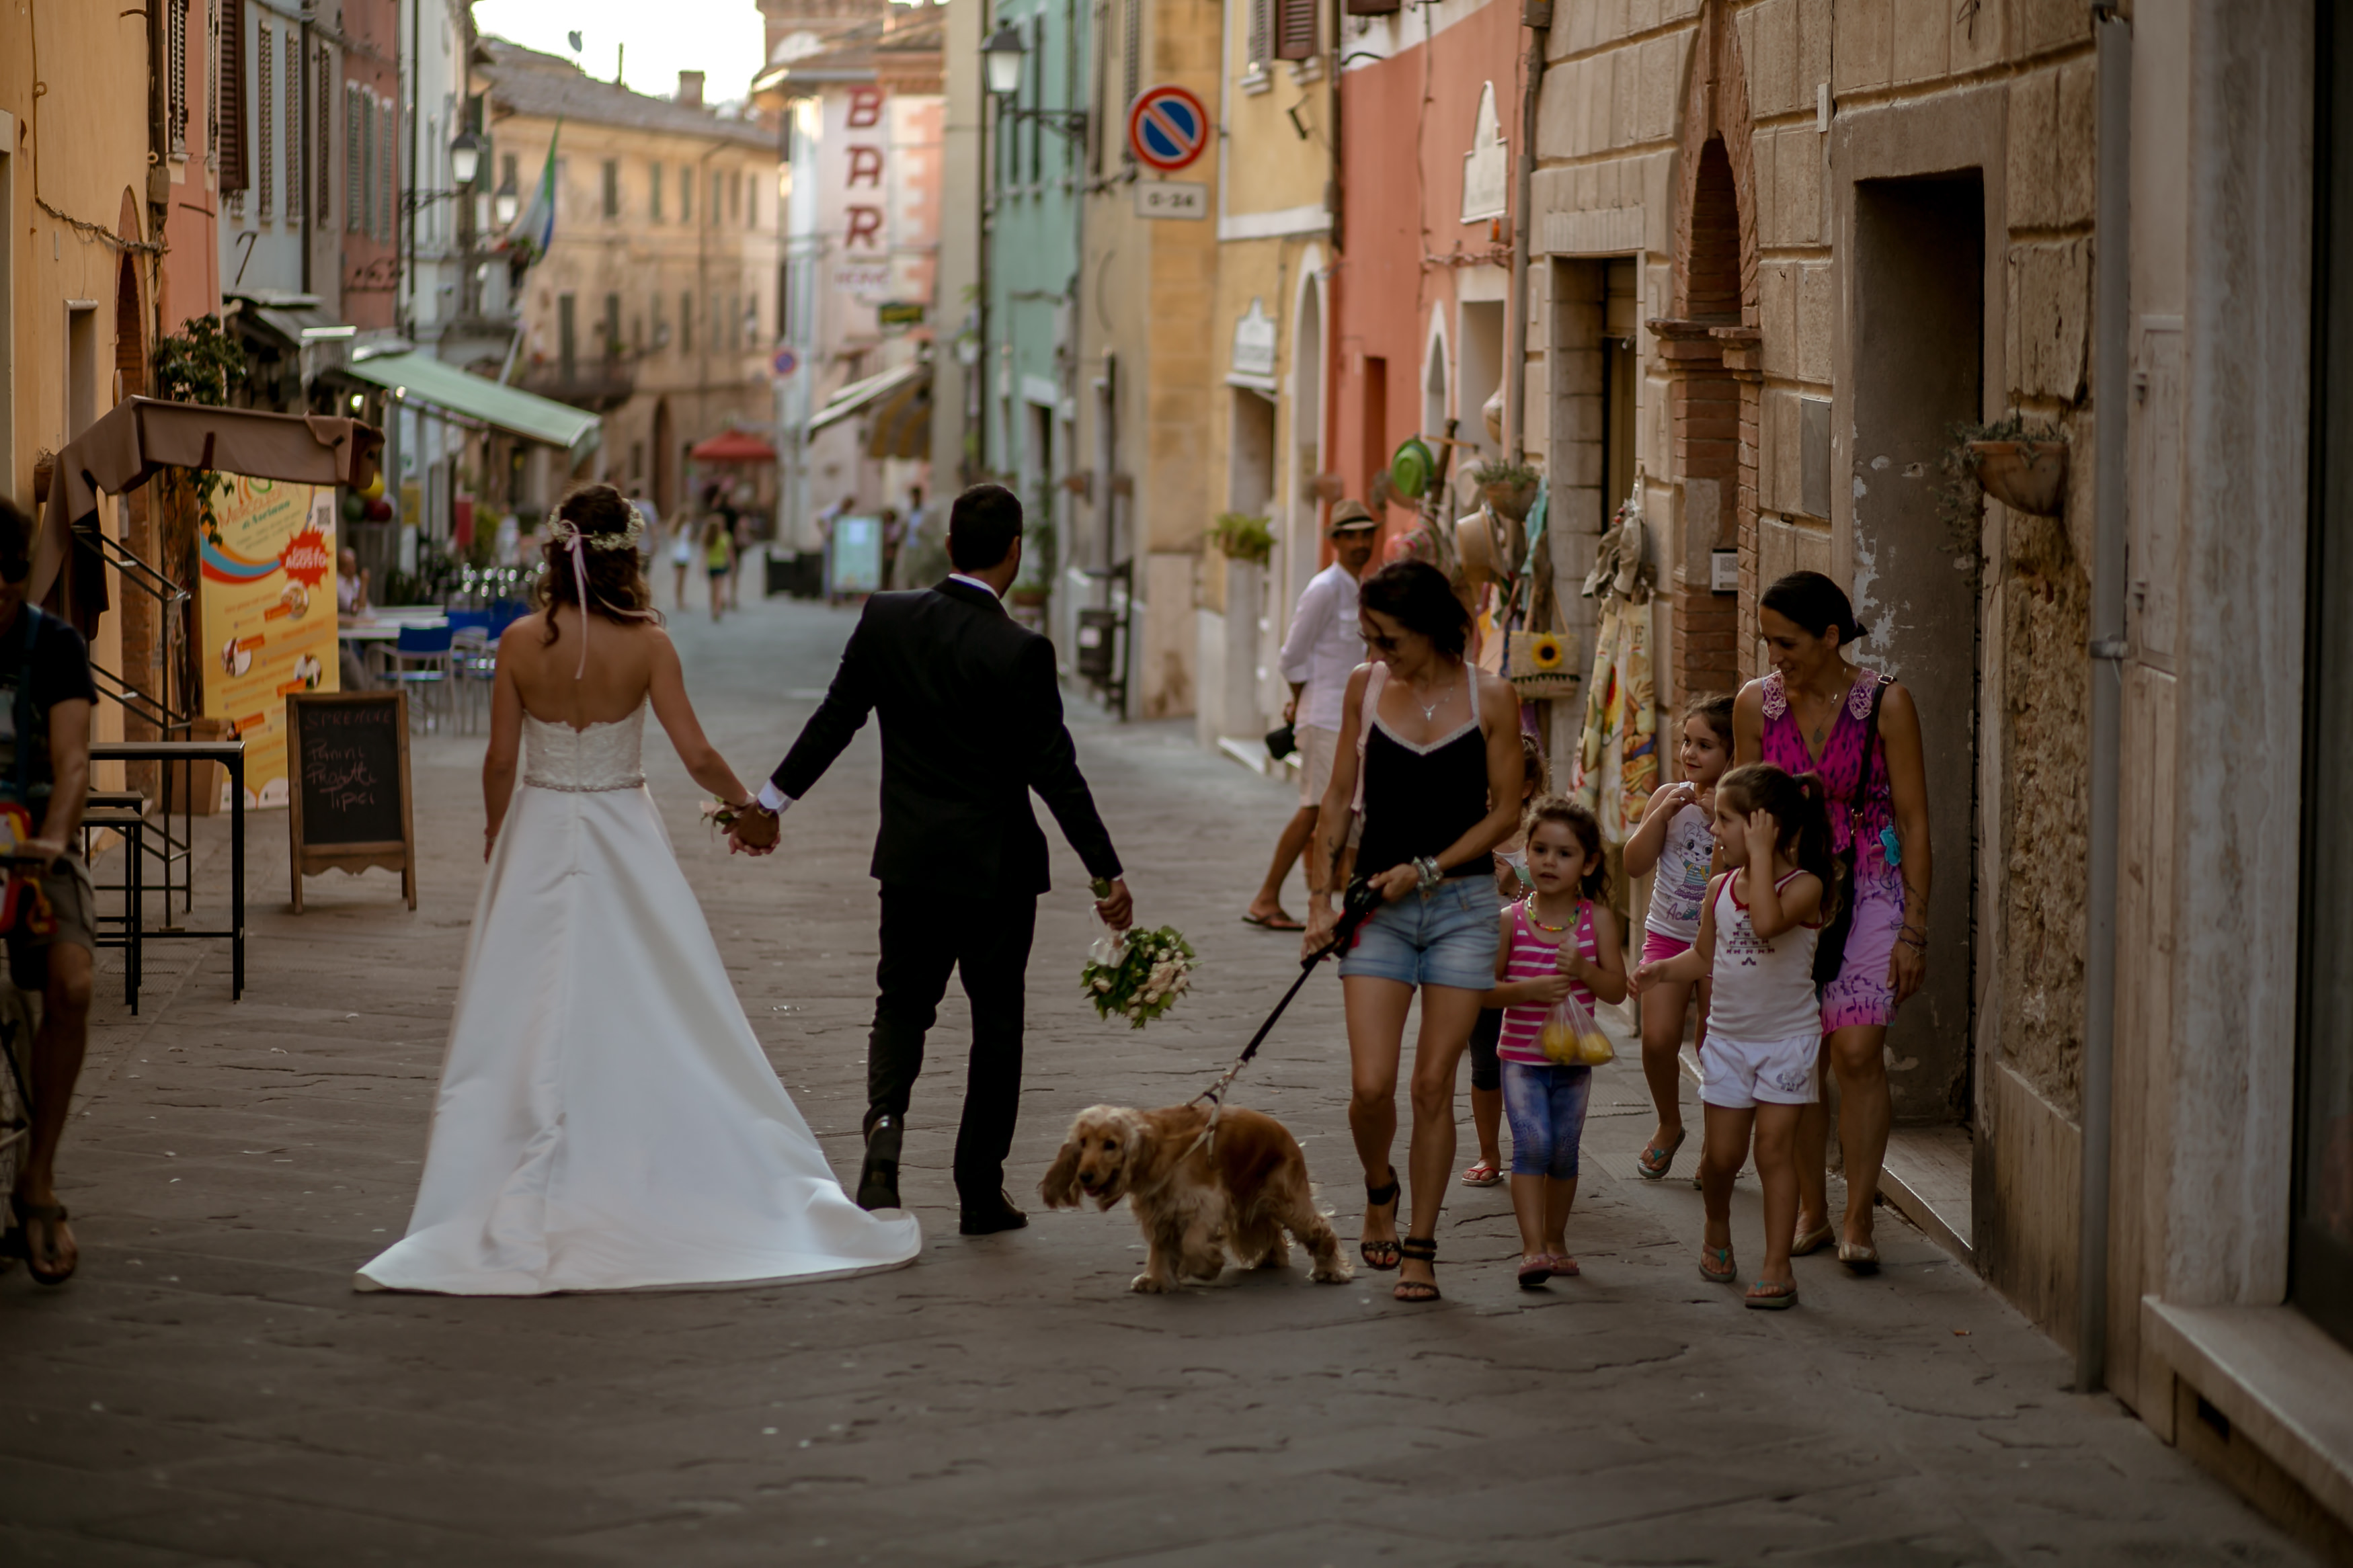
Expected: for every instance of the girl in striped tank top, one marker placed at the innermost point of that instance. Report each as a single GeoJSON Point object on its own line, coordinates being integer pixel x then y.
{"type": "Point", "coordinates": [1559, 940]}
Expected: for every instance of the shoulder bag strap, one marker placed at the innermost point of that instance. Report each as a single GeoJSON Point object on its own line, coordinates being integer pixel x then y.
{"type": "Point", "coordinates": [1375, 679]}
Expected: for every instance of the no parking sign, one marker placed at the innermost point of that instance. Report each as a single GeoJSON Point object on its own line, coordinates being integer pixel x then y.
{"type": "Point", "coordinates": [1167, 128]}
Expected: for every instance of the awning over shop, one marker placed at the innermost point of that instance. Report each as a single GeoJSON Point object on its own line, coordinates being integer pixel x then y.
{"type": "Point", "coordinates": [143, 435]}
{"type": "Point", "coordinates": [734, 446]}
{"type": "Point", "coordinates": [900, 423]}
{"type": "Point", "coordinates": [860, 395]}
{"type": "Point", "coordinates": [421, 378]}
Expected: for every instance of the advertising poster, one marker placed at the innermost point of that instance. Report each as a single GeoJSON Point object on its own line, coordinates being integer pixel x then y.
{"type": "Point", "coordinates": [266, 617]}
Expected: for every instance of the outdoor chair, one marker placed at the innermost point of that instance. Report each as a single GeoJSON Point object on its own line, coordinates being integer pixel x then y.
{"type": "Point", "coordinates": [421, 662]}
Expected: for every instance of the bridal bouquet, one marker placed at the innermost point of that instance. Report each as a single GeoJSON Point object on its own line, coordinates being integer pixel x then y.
{"type": "Point", "coordinates": [1137, 974]}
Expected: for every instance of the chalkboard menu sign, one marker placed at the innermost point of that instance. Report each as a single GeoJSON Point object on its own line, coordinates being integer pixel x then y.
{"type": "Point", "coordinates": [347, 759]}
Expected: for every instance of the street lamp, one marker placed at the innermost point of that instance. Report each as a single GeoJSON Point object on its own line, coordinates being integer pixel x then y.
{"type": "Point", "coordinates": [465, 157]}
{"type": "Point", "coordinates": [1002, 54]}
{"type": "Point", "coordinates": [506, 203]}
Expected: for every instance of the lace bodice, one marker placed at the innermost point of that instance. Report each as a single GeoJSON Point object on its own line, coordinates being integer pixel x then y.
{"type": "Point", "coordinates": [601, 757]}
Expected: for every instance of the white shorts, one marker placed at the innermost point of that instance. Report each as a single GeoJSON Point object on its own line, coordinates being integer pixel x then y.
{"type": "Point", "coordinates": [1317, 748]}
{"type": "Point", "coordinates": [1738, 1075]}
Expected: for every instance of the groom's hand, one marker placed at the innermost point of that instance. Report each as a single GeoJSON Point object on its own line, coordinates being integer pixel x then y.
{"type": "Point", "coordinates": [1117, 907]}
{"type": "Point", "coordinates": [755, 833]}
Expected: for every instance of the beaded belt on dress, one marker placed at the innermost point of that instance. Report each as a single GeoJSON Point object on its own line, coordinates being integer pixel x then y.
{"type": "Point", "coordinates": [633, 783]}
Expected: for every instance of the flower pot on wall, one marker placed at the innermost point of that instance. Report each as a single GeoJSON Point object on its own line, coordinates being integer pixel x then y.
{"type": "Point", "coordinates": [1512, 501]}
{"type": "Point", "coordinates": [2026, 475]}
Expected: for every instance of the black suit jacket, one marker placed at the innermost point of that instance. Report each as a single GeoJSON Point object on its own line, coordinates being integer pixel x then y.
{"type": "Point", "coordinates": [972, 721]}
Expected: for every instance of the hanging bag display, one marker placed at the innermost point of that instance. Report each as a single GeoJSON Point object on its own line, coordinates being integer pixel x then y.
{"type": "Point", "coordinates": [1830, 948]}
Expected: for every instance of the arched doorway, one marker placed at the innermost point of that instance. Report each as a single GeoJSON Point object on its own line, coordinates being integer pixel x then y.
{"type": "Point", "coordinates": [129, 332]}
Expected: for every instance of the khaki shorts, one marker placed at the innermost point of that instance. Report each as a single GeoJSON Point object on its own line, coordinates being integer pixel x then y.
{"type": "Point", "coordinates": [73, 903]}
{"type": "Point", "coordinates": [1317, 748]}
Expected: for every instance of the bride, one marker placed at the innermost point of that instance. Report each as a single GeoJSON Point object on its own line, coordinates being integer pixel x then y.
{"type": "Point", "coordinates": [606, 1121]}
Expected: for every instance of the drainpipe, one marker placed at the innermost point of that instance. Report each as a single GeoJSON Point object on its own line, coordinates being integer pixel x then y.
{"type": "Point", "coordinates": [1536, 17]}
{"type": "Point", "coordinates": [2111, 305]}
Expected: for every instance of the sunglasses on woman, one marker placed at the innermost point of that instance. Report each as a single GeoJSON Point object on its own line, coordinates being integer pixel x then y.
{"type": "Point", "coordinates": [1387, 644]}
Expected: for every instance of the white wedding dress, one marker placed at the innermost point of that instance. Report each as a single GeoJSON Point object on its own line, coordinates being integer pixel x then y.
{"type": "Point", "coordinates": [606, 1121]}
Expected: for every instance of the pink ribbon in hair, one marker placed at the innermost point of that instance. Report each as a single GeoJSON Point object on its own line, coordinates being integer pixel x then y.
{"type": "Point", "coordinates": [578, 546]}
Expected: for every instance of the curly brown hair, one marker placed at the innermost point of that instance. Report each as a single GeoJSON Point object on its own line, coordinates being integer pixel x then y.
{"type": "Point", "coordinates": [1580, 822]}
{"type": "Point", "coordinates": [617, 582]}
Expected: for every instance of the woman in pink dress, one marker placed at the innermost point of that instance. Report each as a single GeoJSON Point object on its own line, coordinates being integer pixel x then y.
{"type": "Point", "coordinates": [1812, 714]}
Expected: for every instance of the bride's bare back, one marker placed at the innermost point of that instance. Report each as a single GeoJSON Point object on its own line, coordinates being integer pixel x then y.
{"type": "Point", "coordinates": [629, 662]}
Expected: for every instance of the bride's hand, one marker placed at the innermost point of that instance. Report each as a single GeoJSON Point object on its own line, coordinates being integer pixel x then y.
{"type": "Point", "coordinates": [755, 833]}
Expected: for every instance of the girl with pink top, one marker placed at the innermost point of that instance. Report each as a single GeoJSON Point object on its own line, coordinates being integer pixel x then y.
{"type": "Point", "coordinates": [1559, 940]}
{"type": "Point", "coordinates": [1761, 1068]}
{"type": "Point", "coordinates": [1861, 733]}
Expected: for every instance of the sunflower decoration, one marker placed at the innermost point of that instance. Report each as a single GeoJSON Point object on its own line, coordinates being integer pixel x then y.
{"type": "Point", "coordinates": [1545, 654]}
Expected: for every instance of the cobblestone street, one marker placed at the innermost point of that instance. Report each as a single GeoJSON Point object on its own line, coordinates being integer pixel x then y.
{"type": "Point", "coordinates": [211, 1388]}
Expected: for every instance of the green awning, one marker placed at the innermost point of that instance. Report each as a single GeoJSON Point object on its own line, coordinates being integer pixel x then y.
{"type": "Point", "coordinates": [421, 378]}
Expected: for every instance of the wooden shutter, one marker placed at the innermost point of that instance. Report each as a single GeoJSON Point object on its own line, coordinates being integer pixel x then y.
{"type": "Point", "coordinates": [232, 107]}
{"type": "Point", "coordinates": [1295, 29]}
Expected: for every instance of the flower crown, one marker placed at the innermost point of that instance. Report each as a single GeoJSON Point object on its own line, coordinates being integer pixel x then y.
{"type": "Point", "coordinates": [563, 529]}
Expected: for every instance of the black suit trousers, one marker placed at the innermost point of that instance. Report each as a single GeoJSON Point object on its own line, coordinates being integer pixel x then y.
{"type": "Point", "coordinates": [924, 937]}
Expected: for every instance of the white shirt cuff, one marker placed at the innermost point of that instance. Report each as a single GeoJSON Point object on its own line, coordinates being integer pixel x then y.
{"type": "Point", "coordinates": [773, 799]}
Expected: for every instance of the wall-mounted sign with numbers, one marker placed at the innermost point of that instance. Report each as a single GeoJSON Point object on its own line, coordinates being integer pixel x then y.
{"type": "Point", "coordinates": [1171, 198]}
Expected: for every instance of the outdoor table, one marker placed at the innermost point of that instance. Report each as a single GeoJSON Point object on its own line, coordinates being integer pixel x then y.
{"type": "Point", "coordinates": [231, 752]}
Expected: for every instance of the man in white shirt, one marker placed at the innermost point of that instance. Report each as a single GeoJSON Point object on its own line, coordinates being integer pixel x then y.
{"type": "Point", "coordinates": [1322, 649]}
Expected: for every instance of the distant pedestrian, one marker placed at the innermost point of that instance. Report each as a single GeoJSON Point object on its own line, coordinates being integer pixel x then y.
{"type": "Point", "coordinates": [1322, 647]}
{"type": "Point", "coordinates": [739, 541]}
{"type": "Point", "coordinates": [1512, 882]}
{"type": "Point", "coordinates": [718, 562]}
{"type": "Point", "coordinates": [894, 537]}
{"type": "Point", "coordinates": [1858, 729]}
{"type": "Point", "coordinates": [681, 560]}
{"type": "Point", "coordinates": [1763, 1064]}
{"type": "Point", "coordinates": [1559, 940]}
{"type": "Point", "coordinates": [1436, 743]}
{"type": "Point", "coordinates": [1677, 841]}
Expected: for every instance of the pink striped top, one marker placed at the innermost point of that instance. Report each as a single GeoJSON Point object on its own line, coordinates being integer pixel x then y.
{"type": "Point", "coordinates": [1535, 954]}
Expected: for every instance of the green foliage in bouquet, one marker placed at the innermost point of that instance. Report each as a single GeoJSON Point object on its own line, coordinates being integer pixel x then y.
{"type": "Point", "coordinates": [1138, 976]}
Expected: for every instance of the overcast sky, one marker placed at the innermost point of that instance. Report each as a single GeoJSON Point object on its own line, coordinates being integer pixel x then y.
{"type": "Point", "coordinates": [720, 38]}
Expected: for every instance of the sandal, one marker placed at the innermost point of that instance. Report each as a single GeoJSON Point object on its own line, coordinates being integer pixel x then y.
{"type": "Point", "coordinates": [1860, 1257]}
{"type": "Point", "coordinates": [1563, 1267]}
{"type": "Point", "coordinates": [1483, 1173]}
{"type": "Point", "coordinates": [1381, 1255]}
{"type": "Point", "coordinates": [1654, 1161]}
{"type": "Point", "coordinates": [49, 1215]}
{"type": "Point", "coordinates": [1723, 1272]}
{"type": "Point", "coordinates": [1422, 1249]}
{"type": "Point", "coordinates": [1534, 1270]}
{"type": "Point", "coordinates": [1766, 1295]}
{"type": "Point", "coordinates": [1810, 1241]}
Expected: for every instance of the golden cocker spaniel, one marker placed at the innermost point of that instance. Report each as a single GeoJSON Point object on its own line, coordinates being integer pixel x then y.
{"type": "Point", "coordinates": [1195, 1201]}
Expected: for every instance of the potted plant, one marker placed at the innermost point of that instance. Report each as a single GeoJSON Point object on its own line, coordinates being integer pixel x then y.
{"type": "Point", "coordinates": [2022, 465]}
{"type": "Point", "coordinates": [1240, 536]}
{"type": "Point", "coordinates": [1509, 488]}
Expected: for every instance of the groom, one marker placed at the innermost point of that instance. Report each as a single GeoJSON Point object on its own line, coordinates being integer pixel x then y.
{"type": "Point", "coordinates": [972, 721]}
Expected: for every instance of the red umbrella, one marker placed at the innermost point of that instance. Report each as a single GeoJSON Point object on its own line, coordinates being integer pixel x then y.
{"type": "Point", "coordinates": [734, 447]}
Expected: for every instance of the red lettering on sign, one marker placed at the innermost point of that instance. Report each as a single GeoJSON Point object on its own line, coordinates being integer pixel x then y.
{"type": "Point", "coordinates": [305, 558]}
{"type": "Point", "coordinates": [865, 227]}
{"type": "Point", "coordinates": [865, 163]}
{"type": "Point", "coordinates": [865, 106]}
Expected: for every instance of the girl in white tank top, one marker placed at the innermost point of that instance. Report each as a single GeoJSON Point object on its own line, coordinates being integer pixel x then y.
{"type": "Point", "coordinates": [1760, 1065]}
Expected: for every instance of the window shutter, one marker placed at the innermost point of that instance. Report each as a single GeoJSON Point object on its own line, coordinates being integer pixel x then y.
{"type": "Point", "coordinates": [175, 77]}
{"type": "Point", "coordinates": [1295, 29]}
{"type": "Point", "coordinates": [231, 110]}
{"type": "Point", "coordinates": [1260, 44]}
{"type": "Point", "coordinates": [1131, 29]}
{"type": "Point", "coordinates": [355, 152]}
{"type": "Point", "coordinates": [388, 169]}
{"type": "Point", "coordinates": [265, 149]}
{"type": "Point", "coordinates": [325, 157]}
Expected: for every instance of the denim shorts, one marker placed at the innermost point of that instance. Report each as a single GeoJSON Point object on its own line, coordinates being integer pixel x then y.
{"type": "Point", "coordinates": [1446, 938]}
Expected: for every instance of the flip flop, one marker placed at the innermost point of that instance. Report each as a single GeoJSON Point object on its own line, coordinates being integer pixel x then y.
{"type": "Point", "coordinates": [1563, 1267]}
{"type": "Point", "coordinates": [1483, 1173]}
{"type": "Point", "coordinates": [1810, 1241]}
{"type": "Point", "coordinates": [50, 1216]}
{"type": "Point", "coordinates": [1534, 1271]}
{"type": "Point", "coordinates": [1273, 923]}
{"type": "Point", "coordinates": [1860, 1257]}
{"type": "Point", "coordinates": [1654, 1161]}
{"type": "Point", "coordinates": [1725, 1272]}
{"type": "Point", "coordinates": [1767, 1297]}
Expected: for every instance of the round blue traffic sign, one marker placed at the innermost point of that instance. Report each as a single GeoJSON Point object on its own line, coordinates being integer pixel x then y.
{"type": "Point", "coordinates": [784, 362]}
{"type": "Point", "coordinates": [1167, 128]}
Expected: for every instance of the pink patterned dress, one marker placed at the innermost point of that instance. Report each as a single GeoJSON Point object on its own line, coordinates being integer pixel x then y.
{"type": "Point", "coordinates": [1861, 995]}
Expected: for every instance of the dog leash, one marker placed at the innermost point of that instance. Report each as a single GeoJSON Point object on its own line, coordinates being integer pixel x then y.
{"type": "Point", "coordinates": [1361, 899]}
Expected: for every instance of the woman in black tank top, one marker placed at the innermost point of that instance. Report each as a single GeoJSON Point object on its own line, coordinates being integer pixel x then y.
{"type": "Point", "coordinates": [1429, 757]}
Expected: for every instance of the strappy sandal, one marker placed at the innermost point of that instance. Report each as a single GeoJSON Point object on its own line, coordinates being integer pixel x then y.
{"type": "Point", "coordinates": [50, 1214]}
{"type": "Point", "coordinates": [1422, 1249]}
{"type": "Point", "coordinates": [1715, 1265]}
{"type": "Point", "coordinates": [1381, 1255]}
{"type": "Point", "coordinates": [1654, 1161]}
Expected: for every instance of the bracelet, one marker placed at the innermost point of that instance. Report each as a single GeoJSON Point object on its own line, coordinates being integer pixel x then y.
{"type": "Point", "coordinates": [1914, 943]}
{"type": "Point", "coordinates": [1428, 867]}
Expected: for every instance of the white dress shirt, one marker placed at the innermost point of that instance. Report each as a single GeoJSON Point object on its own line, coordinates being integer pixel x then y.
{"type": "Point", "coordinates": [1323, 646]}
{"type": "Point", "coordinates": [776, 800]}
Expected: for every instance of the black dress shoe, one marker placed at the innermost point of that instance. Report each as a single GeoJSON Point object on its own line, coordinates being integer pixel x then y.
{"type": "Point", "coordinates": [878, 1178]}
{"type": "Point", "coordinates": [986, 1216]}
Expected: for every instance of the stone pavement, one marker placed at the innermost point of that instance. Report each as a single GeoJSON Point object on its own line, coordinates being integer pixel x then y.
{"type": "Point", "coordinates": [212, 1390]}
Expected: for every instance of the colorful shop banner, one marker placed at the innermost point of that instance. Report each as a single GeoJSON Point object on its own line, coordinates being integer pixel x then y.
{"type": "Point", "coordinates": [266, 616]}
